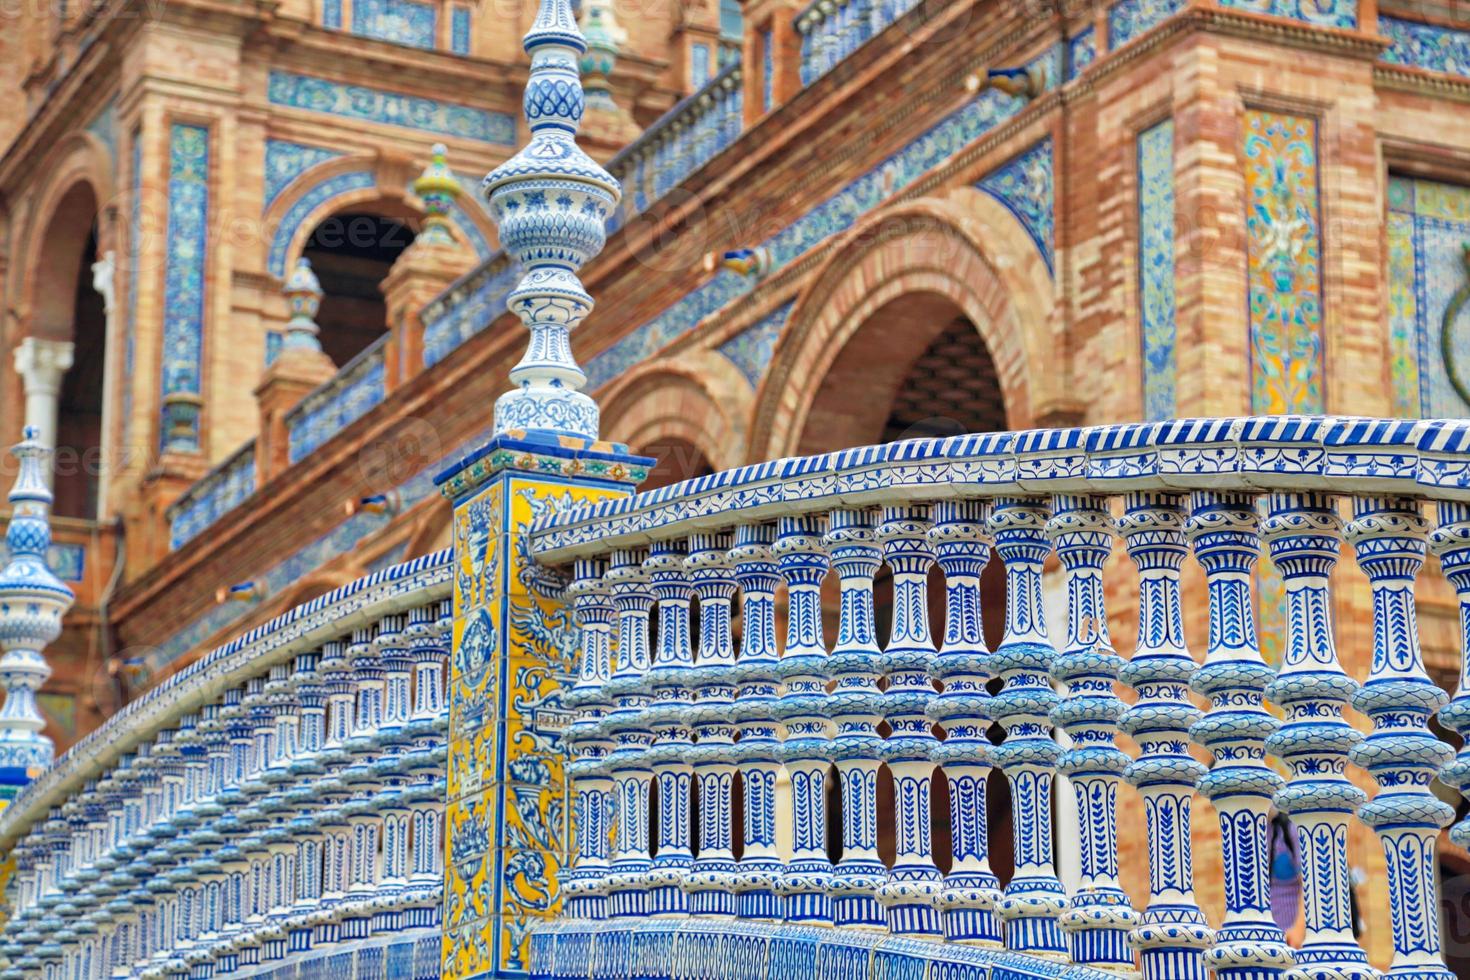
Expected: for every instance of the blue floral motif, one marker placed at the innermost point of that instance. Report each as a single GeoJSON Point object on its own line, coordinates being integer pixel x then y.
{"type": "Point", "coordinates": [393, 108]}
{"type": "Point", "coordinates": [285, 161]}
{"type": "Point", "coordinates": [1024, 186]}
{"type": "Point", "coordinates": [750, 350]}
{"type": "Point", "coordinates": [1156, 268]}
{"type": "Point", "coordinates": [400, 21]}
{"type": "Point", "coordinates": [1130, 18]}
{"type": "Point", "coordinates": [1428, 46]}
{"type": "Point", "coordinates": [1320, 13]}
{"type": "Point", "coordinates": [188, 228]}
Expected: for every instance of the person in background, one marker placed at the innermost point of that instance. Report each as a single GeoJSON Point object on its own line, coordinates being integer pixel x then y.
{"type": "Point", "coordinates": [1286, 880]}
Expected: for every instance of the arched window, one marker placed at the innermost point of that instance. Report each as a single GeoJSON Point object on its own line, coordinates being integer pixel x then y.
{"type": "Point", "coordinates": [351, 254]}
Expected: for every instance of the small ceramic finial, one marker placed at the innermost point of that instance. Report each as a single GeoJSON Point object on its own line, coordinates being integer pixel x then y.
{"type": "Point", "coordinates": [438, 187]}
{"type": "Point", "coordinates": [304, 293]}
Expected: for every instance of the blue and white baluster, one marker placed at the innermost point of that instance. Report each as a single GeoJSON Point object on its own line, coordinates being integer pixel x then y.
{"type": "Point", "coordinates": [336, 670]}
{"type": "Point", "coordinates": [806, 750]}
{"type": "Point", "coordinates": [855, 706]}
{"type": "Point", "coordinates": [365, 825]}
{"type": "Point", "coordinates": [628, 726]}
{"type": "Point", "coordinates": [1401, 753]}
{"type": "Point", "coordinates": [908, 896]}
{"type": "Point", "coordinates": [429, 629]}
{"type": "Point", "coordinates": [1173, 934]}
{"type": "Point", "coordinates": [1304, 534]}
{"type": "Point", "coordinates": [1451, 542]}
{"type": "Point", "coordinates": [1223, 527]}
{"type": "Point", "coordinates": [668, 756]}
{"type": "Point", "coordinates": [971, 890]}
{"type": "Point", "coordinates": [1034, 898]}
{"type": "Point", "coordinates": [757, 753]}
{"type": "Point", "coordinates": [305, 769]}
{"type": "Point", "coordinates": [1100, 916]}
{"type": "Point", "coordinates": [711, 881]}
{"type": "Point", "coordinates": [585, 885]}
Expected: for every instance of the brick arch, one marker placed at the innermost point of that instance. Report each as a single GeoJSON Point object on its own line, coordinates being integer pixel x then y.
{"type": "Point", "coordinates": [337, 185]}
{"type": "Point", "coordinates": [698, 398]}
{"type": "Point", "coordinates": [963, 254]}
{"type": "Point", "coordinates": [77, 193]}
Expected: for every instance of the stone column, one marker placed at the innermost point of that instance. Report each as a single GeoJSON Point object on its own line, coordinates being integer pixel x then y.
{"type": "Point", "coordinates": [41, 365]}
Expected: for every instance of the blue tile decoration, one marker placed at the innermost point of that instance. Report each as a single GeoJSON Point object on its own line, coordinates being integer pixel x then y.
{"type": "Point", "coordinates": [404, 22]}
{"type": "Point", "coordinates": [1081, 52]}
{"type": "Point", "coordinates": [135, 242]}
{"type": "Point", "coordinates": [1428, 228]}
{"type": "Point", "coordinates": [699, 65]}
{"type": "Point", "coordinates": [463, 319]}
{"type": "Point", "coordinates": [285, 161]}
{"type": "Point", "coordinates": [459, 30]}
{"type": "Point", "coordinates": [1129, 19]}
{"type": "Point", "coordinates": [332, 14]}
{"type": "Point", "coordinates": [393, 108]}
{"type": "Point", "coordinates": [732, 20]}
{"type": "Point", "coordinates": [751, 348]}
{"type": "Point", "coordinates": [67, 562]}
{"type": "Point", "coordinates": [471, 231]}
{"type": "Point", "coordinates": [1428, 46]}
{"type": "Point", "coordinates": [187, 248]}
{"type": "Point", "coordinates": [1319, 13]}
{"type": "Point", "coordinates": [1156, 268]}
{"type": "Point", "coordinates": [357, 388]}
{"type": "Point", "coordinates": [273, 341]}
{"type": "Point", "coordinates": [1024, 185]}
{"type": "Point", "coordinates": [216, 494]}
{"type": "Point", "coordinates": [767, 68]}
{"type": "Point", "coordinates": [333, 187]}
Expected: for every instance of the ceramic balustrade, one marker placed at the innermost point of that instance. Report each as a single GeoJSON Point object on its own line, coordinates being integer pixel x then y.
{"type": "Point", "coordinates": [205, 844]}
{"type": "Point", "coordinates": [1217, 493]}
{"type": "Point", "coordinates": [830, 30]}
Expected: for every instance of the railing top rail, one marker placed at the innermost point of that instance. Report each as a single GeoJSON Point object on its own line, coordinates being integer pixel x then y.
{"type": "Point", "coordinates": [398, 587]}
{"type": "Point", "coordinates": [1415, 457]}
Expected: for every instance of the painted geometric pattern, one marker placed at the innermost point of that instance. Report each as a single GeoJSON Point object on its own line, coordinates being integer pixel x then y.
{"type": "Point", "coordinates": [1156, 268]}
{"type": "Point", "coordinates": [188, 226]}
{"type": "Point", "coordinates": [1428, 46]}
{"type": "Point", "coordinates": [1428, 232]}
{"type": "Point", "coordinates": [285, 161]}
{"type": "Point", "coordinates": [1322, 13]}
{"type": "Point", "coordinates": [1024, 185]}
{"type": "Point", "coordinates": [392, 108]}
{"type": "Point", "coordinates": [399, 21]}
{"type": "Point", "coordinates": [507, 816]}
{"type": "Point", "coordinates": [1283, 255]}
{"type": "Point", "coordinates": [750, 349]}
{"type": "Point", "coordinates": [1130, 18]}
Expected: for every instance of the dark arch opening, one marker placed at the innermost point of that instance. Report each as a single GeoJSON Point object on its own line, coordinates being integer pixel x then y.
{"type": "Point", "coordinates": [351, 254]}
{"type": "Point", "coordinates": [676, 460]}
{"type": "Point", "coordinates": [79, 405]}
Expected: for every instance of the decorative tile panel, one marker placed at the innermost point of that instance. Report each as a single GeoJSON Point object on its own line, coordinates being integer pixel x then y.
{"type": "Point", "coordinates": [1428, 297]}
{"type": "Point", "coordinates": [332, 14]}
{"type": "Point", "coordinates": [285, 161]}
{"type": "Point", "coordinates": [1156, 268]}
{"type": "Point", "coordinates": [67, 562]}
{"type": "Point", "coordinates": [1024, 185]}
{"type": "Point", "coordinates": [750, 349]}
{"type": "Point", "coordinates": [768, 70]}
{"type": "Point", "coordinates": [393, 108]}
{"type": "Point", "coordinates": [135, 246]}
{"type": "Point", "coordinates": [1319, 13]}
{"type": "Point", "coordinates": [1427, 46]}
{"type": "Point", "coordinates": [459, 30]}
{"type": "Point", "coordinates": [1283, 254]}
{"type": "Point", "coordinates": [399, 21]}
{"type": "Point", "coordinates": [212, 497]}
{"type": "Point", "coordinates": [699, 65]}
{"type": "Point", "coordinates": [305, 205]}
{"type": "Point", "coordinates": [1081, 52]}
{"type": "Point", "coordinates": [187, 252]}
{"type": "Point", "coordinates": [1129, 19]}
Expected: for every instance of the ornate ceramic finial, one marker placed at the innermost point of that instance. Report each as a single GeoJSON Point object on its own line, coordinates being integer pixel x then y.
{"type": "Point", "coordinates": [438, 187]}
{"type": "Point", "coordinates": [32, 601]}
{"type": "Point", "coordinates": [604, 37]}
{"type": "Point", "coordinates": [304, 293]}
{"type": "Point", "coordinates": [552, 202]}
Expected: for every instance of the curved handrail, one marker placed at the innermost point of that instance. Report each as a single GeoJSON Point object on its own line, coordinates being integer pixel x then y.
{"type": "Point", "coordinates": [1427, 458]}
{"type": "Point", "coordinates": [276, 641]}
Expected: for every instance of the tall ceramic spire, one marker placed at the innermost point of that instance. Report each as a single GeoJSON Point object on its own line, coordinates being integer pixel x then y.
{"type": "Point", "coordinates": [552, 203]}
{"type": "Point", "coordinates": [32, 601]}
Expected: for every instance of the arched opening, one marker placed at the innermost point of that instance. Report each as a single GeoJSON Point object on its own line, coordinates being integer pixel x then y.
{"type": "Point", "coordinates": [68, 309]}
{"type": "Point", "coordinates": [351, 254]}
{"type": "Point", "coordinates": [916, 368]}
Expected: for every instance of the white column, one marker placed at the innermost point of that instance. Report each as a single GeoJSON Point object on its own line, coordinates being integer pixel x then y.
{"type": "Point", "coordinates": [104, 272]}
{"type": "Point", "coordinates": [41, 365]}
